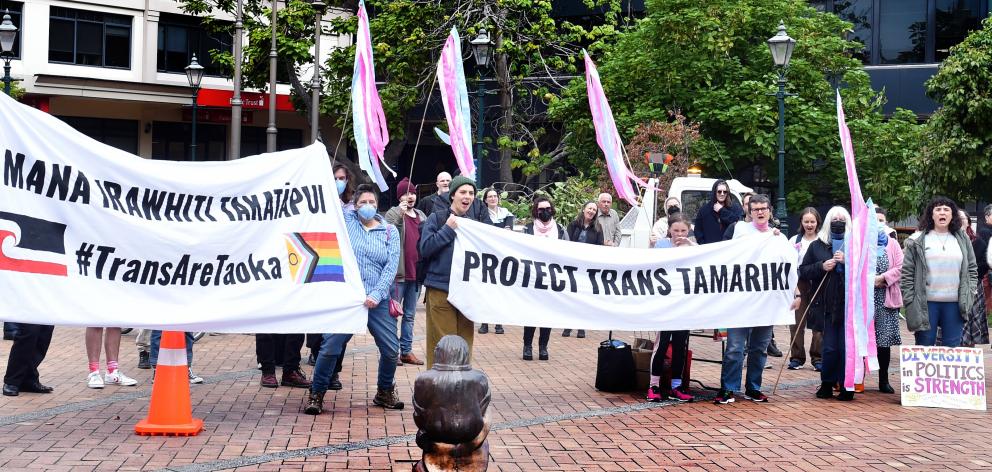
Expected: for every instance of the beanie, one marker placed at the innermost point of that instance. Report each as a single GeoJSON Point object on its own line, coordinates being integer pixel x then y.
{"type": "Point", "coordinates": [405, 187]}
{"type": "Point", "coordinates": [458, 182]}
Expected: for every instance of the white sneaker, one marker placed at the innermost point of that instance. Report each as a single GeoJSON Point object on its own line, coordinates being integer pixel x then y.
{"type": "Point", "coordinates": [94, 380]}
{"type": "Point", "coordinates": [118, 378]}
{"type": "Point", "coordinates": [194, 379]}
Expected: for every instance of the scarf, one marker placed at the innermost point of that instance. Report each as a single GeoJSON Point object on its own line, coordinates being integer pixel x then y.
{"type": "Point", "coordinates": [547, 230]}
{"type": "Point", "coordinates": [837, 244]}
{"type": "Point", "coordinates": [760, 227]}
{"type": "Point", "coordinates": [883, 242]}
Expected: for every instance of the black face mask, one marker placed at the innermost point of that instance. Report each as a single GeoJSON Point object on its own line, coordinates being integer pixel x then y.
{"type": "Point", "coordinates": [838, 227]}
{"type": "Point", "coordinates": [673, 210]}
{"type": "Point", "coordinates": [544, 214]}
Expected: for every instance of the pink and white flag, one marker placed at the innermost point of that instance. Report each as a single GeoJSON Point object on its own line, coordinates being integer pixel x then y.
{"type": "Point", "coordinates": [454, 96]}
{"type": "Point", "coordinates": [368, 119]}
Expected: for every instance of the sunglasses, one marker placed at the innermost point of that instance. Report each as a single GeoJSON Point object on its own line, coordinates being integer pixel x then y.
{"type": "Point", "coordinates": [721, 192]}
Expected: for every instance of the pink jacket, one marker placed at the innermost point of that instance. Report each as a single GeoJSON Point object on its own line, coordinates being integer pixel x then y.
{"type": "Point", "coordinates": [893, 295]}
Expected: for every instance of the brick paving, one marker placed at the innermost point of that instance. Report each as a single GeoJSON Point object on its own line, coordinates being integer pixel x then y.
{"type": "Point", "coordinates": [546, 416]}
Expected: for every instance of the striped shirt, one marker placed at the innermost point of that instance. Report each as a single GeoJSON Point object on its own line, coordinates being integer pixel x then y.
{"type": "Point", "coordinates": [377, 251]}
{"type": "Point", "coordinates": [944, 263]}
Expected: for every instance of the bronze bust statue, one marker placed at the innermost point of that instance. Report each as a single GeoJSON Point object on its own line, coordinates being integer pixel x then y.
{"type": "Point", "coordinates": [450, 408]}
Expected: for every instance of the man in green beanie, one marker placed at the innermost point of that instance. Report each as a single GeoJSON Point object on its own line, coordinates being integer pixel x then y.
{"type": "Point", "coordinates": [437, 238]}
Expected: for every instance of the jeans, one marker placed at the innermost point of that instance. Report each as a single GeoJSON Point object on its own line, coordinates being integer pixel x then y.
{"type": "Point", "coordinates": [409, 291]}
{"type": "Point", "coordinates": [157, 339]}
{"type": "Point", "coordinates": [755, 340]}
{"type": "Point", "coordinates": [946, 316]}
{"type": "Point", "coordinates": [382, 327]}
{"type": "Point", "coordinates": [834, 353]}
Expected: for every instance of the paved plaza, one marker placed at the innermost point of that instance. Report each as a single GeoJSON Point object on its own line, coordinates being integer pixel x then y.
{"type": "Point", "coordinates": [545, 416]}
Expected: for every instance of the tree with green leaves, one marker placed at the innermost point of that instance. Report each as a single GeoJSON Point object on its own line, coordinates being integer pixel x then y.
{"type": "Point", "coordinates": [710, 60]}
{"type": "Point", "coordinates": [959, 135]}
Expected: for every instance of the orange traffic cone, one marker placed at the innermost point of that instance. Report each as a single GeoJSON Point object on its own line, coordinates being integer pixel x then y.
{"type": "Point", "coordinates": [170, 412]}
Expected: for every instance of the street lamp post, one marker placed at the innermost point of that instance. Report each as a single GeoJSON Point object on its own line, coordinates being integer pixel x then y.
{"type": "Point", "coordinates": [194, 74]}
{"type": "Point", "coordinates": [318, 10]}
{"type": "Point", "coordinates": [7, 34]}
{"type": "Point", "coordinates": [781, 46]}
{"type": "Point", "coordinates": [270, 130]}
{"type": "Point", "coordinates": [480, 50]}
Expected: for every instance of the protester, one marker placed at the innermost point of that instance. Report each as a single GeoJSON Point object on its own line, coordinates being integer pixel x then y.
{"type": "Point", "coordinates": [660, 228]}
{"type": "Point", "coordinates": [267, 346]}
{"type": "Point", "coordinates": [678, 236]}
{"type": "Point", "coordinates": [428, 204]}
{"type": "Point", "coordinates": [111, 340]}
{"type": "Point", "coordinates": [822, 267]}
{"type": "Point", "coordinates": [888, 300]}
{"type": "Point", "coordinates": [809, 226]}
{"type": "Point", "coordinates": [754, 339]}
{"type": "Point", "coordinates": [143, 342]}
{"type": "Point", "coordinates": [345, 186]}
{"type": "Point", "coordinates": [377, 250]}
{"type": "Point", "coordinates": [502, 218]}
{"type": "Point", "coordinates": [437, 238]}
{"type": "Point", "coordinates": [939, 275]}
{"type": "Point", "coordinates": [28, 350]}
{"type": "Point", "coordinates": [584, 229]}
{"type": "Point", "coordinates": [543, 226]}
{"type": "Point", "coordinates": [714, 217]}
{"type": "Point", "coordinates": [156, 340]}
{"type": "Point", "coordinates": [609, 220]}
{"type": "Point", "coordinates": [976, 327]}
{"type": "Point", "coordinates": [407, 219]}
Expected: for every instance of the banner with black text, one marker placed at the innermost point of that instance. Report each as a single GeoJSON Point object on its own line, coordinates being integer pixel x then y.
{"type": "Point", "coordinates": [499, 276]}
{"type": "Point", "coordinates": [93, 236]}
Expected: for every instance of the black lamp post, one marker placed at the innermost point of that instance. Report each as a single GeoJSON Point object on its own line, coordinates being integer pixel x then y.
{"type": "Point", "coordinates": [194, 74]}
{"type": "Point", "coordinates": [480, 50]}
{"type": "Point", "coordinates": [7, 34]}
{"type": "Point", "coordinates": [781, 46]}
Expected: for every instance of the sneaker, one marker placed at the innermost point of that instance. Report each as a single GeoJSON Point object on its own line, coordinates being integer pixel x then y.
{"type": "Point", "coordinates": [94, 380]}
{"type": "Point", "coordinates": [388, 399]}
{"type": "Point", "coordinates": [143, 360]}
{"type": "Point", "coordinates": [118, 378]}
{"type": "Point", "coordinates": [654, 394]}
{"type": "Point", "coordinates": [756, 396]}
{"type": "Point", "coordinates": [794, 365]}
{"type": "Point", "coordinates": [680, 396]}
{"type": "Point", "coordinates": [269, 380]}
{"type": "Point", "coordinates": [817, 366]}
{"type": "Point", "coordinates": [724, 397]}
{"type": "Point", "coordinates": [768, 365]}
{"type": "Point", "coordinates": [194, 379]}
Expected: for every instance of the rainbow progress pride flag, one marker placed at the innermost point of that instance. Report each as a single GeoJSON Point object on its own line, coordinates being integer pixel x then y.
{"type": "Point", "coordinates": [314, 257]}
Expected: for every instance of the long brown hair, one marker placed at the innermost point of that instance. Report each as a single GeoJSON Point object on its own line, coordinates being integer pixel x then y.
{"type": "Point", "coordinates": [349, 188]}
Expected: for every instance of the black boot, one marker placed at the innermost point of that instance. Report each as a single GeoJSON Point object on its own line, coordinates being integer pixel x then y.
{"type": "Point", "coordinates": [335, 383]}
{"type": "Point", "coordinates": [528, 353]}
{"type": "Point", "coordinates": [826, 390]}
{"type": "Point", "coordinates": [773, 350]}
{"type": "Point", "coordinates": [566, 332]}
{"type": "Point", "coordinates": [143, 360]}
{"type": "Point", "coordinates": [884, 357]}
{"type": "Point", "coordinates": [315, 403]}
{"type": "Point", "coordinates": [845, 395]}
{"type": "Point", "coordinates": [499, 329]}
{"type": "Point", "coordinates": [581, 333]}
{"type": "Point", "coordinates": [484, 328]}
{"type": "Point", "coordinates": [542, 353]}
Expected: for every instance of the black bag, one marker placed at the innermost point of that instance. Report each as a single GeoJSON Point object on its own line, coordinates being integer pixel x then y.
{"type": "Point", "coordinates": [615, 366]}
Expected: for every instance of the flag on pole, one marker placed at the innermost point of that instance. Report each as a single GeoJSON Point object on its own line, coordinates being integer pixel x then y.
{"type": "Point", "coordinates": [861, 258]}
{"type": "Point", "coordinates": [368, 119]}
{"type": "Point", "coordinates": [454, 96]}
{"type": "Point", "coordinates": [608, 137]}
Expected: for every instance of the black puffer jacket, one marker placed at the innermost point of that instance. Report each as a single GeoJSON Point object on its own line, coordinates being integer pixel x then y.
{"type": "Point", "coordinates": [828, 306]}
{"type": "Point", "coordinates": [710, 225]}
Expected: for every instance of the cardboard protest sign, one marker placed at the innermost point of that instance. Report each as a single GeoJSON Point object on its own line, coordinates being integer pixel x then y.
{"type": "Point", "coordinates": [942, 377]}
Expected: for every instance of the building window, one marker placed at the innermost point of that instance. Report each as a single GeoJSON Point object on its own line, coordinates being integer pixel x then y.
{"type": "Point", "coordinates": [179, 37]}
{"type": "Point", "coordinates": [89, 38]}
{"type": "Point", "coordinates": [860, 14]}
{"type": "Point", "coordinates": [171, 140]}
{"type": "Point", "coordinates": [954, 20]}
{"type": "Point", "coordinates": [15, 9]}
{"type": "Point", "coordinates": [902, 32]}
{"type": "Point", "coordinates": [253, 140]}
{"type": "Point", "coordinates": [121, 134]}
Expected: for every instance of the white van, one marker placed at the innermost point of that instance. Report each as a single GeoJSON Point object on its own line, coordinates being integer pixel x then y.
{"type": "Point", "coordinates": [695, 191]}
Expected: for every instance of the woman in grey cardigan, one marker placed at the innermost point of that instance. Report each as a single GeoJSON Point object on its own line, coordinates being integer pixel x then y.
{"type": "Point", "coordinates": [939, 278]}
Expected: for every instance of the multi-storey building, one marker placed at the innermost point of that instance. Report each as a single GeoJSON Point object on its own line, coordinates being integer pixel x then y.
{"type": "Point", "coordinates": [115, 70]}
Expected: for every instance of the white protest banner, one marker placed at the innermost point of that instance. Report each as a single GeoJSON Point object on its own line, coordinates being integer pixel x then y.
{"type": "Point", "coordinates": [943, 377]}
{"type": "Point", "coordinates": [94, 236]}
{"type": "Point", "coordinates": [498, 276]}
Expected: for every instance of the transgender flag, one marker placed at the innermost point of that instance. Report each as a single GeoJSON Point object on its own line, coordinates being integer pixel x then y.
{"type": "Point", "coordinates": [608, 137]}
{"type": "Point", "coordinates": [860, 242]}
{"type": "Point", "coordinates": [369, 121]}
{"type": "Point", "coordinates": [454, 96]}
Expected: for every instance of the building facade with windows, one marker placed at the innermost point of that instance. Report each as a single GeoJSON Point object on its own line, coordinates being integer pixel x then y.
{"type": "Point", "coordinates": [115, 70]}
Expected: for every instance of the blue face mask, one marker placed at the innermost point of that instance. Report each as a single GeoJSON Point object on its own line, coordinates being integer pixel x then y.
{"type": "Point", "coordinates": [342, 184]}
{"type": "Point", "coordinates": [366, 212]}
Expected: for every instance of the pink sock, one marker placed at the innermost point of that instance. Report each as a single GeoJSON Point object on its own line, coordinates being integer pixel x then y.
{"type": "Point", "coordinates": [95, 366]}
{"type": "Point", "coordinates": [111, 367]}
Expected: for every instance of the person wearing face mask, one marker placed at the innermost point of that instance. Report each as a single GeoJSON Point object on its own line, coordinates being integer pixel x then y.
{"type": "Point", "coordinates": [408, 220]}
{"type": "Point", "coordinates": [888, 300]}
{"type": "Point", "coordinates": [714, 217]}
{"type": "Point", "coordinates": [544, 226]}
{"type": "Point", "coordinates": [584, 229]}
{"type": "Point", "coordinates": [660, 228]}
{"type": "Point", "coordinates": [429, 204]}
{"type": "Point", "coordinates": [823, 264]}
{"type": "Point", "coordinates": [345, 186]}
{"type": "Point", "coordinates": [376, 245]}
{"type": "Point", "coordinates": [437, 241]}
{"type": "Point", "coordinates": [939, 277]}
